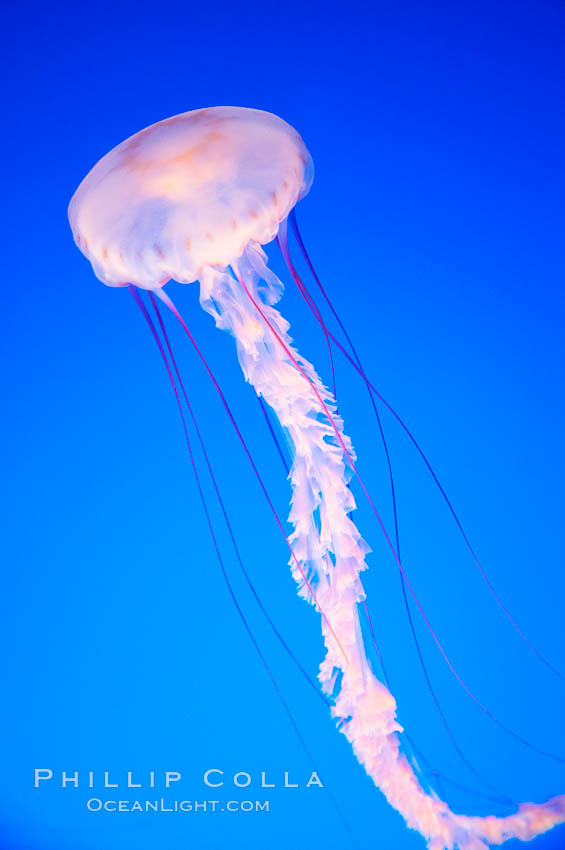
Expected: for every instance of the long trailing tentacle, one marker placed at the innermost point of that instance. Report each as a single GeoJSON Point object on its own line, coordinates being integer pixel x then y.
{"type": "Point", "coordinates": [141, 305]}
{"type": "Point", "coordinates": [354, 361]}
{"type": "Point", "coordinates": [227, 520]}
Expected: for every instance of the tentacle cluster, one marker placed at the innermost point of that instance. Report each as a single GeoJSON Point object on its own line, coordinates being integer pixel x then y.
{"type": "Point", "coordinates": [331, 554]}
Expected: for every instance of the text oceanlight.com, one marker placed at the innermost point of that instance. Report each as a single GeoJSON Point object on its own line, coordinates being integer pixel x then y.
{"type": "Point", "coordinates": [97, 805]}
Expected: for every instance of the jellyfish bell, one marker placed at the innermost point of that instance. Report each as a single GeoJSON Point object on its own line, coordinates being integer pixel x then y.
{"type": "Point", "coordinates": [195, 197]}
{"type": "Point", "coordinates": [189, 192]}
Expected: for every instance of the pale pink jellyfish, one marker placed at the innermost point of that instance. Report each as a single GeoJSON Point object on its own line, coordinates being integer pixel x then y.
{"type": "Point", "coordinates": [195, 197]}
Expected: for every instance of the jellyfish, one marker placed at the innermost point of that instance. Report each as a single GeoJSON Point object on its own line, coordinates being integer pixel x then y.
{"type": "Point", "coordinates": [195, 197]}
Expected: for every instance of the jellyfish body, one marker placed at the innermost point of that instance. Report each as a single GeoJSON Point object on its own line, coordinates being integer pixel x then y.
{"type": "Point", "coordinates": [195, 197]}
{"type": "Point", "coordinates": [188, 193]}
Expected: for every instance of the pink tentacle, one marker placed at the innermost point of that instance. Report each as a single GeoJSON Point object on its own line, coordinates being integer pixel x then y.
{"type": "Point", "coordinates": [372, 389]}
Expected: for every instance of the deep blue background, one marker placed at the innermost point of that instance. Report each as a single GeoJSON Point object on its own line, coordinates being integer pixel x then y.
{"type": "Point", "coordinates": [436, 223]}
